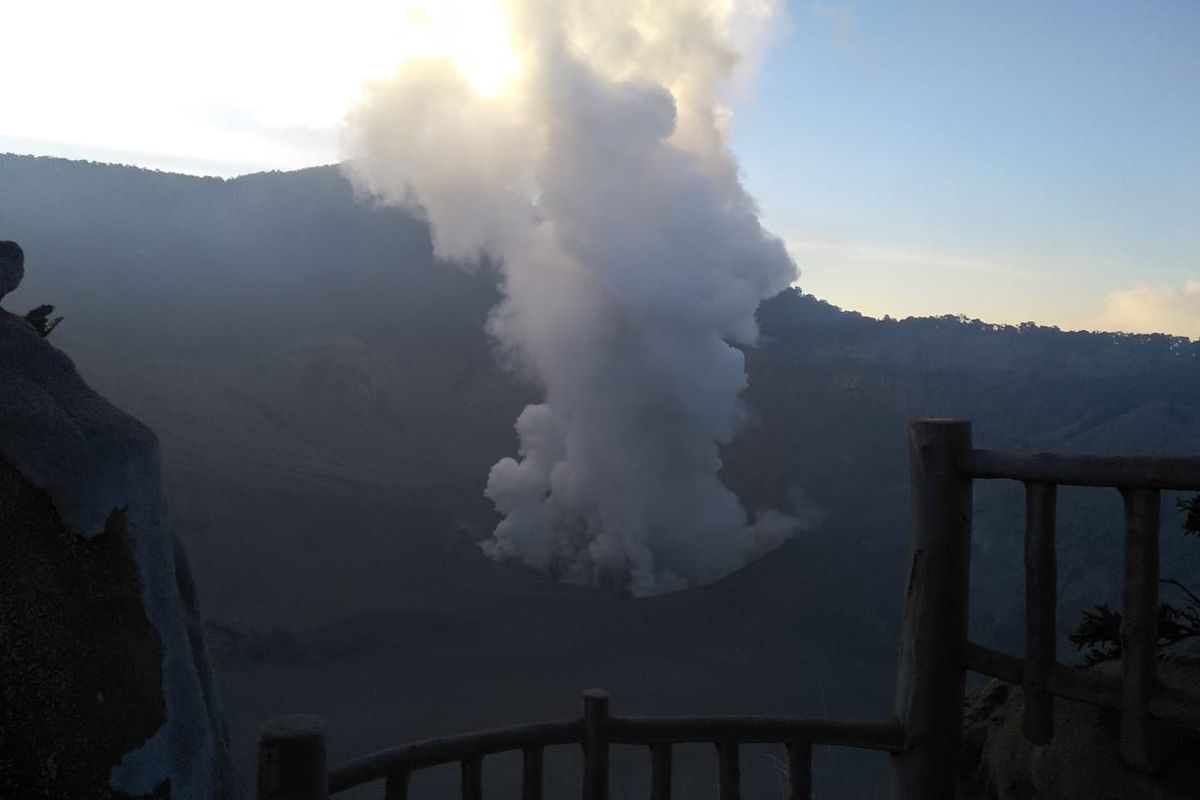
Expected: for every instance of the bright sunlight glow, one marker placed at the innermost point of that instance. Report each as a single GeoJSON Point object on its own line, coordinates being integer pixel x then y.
{"type": "Point", "coordinates": [225, 84]}
{"type": "Point", "coordinates": [471, 32]}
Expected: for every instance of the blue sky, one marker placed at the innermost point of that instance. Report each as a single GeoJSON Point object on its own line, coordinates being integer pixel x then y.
{"type": "Point", "coordinates": [1010, 161]}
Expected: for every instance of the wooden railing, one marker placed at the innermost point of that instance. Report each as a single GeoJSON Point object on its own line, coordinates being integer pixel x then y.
{"type": "Point", "coordinates": [924, 737]}
{"type": "Point", "coordinates": [290, 746]}
{"type": "Point", "coordinates": [944, 465]}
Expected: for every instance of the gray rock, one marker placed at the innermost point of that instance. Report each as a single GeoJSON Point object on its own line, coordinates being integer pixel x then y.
{"type": "Point", "coordinates": [106, 688]}
{"type": "Point", "coordinates": [1083, 760]}
{"type": "Point", "coordinates": [12, 267]}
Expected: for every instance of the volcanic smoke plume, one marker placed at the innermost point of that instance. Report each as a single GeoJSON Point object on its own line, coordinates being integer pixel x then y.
{"type": "Point", "coordinates": [600, 178]}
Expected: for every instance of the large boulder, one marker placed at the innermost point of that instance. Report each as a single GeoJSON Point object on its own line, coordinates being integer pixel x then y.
{"type": "Point", "coordinates": [1083, 760]}
{"type": "Point", "coordinates": [106, 690]}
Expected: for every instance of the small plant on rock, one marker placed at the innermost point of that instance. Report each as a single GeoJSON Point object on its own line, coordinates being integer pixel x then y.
{"type": "Point", "coordinates": [41, 320]}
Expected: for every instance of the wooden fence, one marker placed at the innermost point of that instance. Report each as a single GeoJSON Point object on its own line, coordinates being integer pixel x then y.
{"type": "Point", "coordinates": [924, 737]}
{"type": "Point", "coordinates": [291, 745]}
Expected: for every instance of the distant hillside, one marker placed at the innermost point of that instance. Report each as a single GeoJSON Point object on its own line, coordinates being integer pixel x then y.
{"type": "Point", "coordinates": [329, 406]}
{"type": "Point", "coordinates": [279, 319]}
{"type": "Point", "coordinates": [844, 385]}
{"type": "Point", "coordinates": [284, 301]}
{"type": "Point", "coordinates": [211, 268]}
{"type": "Point", "coordinates": [331, 304]}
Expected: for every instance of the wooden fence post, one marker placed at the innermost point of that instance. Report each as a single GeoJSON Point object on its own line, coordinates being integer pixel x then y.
{"type": "Point", "coordinates": [931, 675]}
{"type": "Point", "coordinates": [291, 759]}
{"type": "Point", "coordinates": [1139, 626]}
{"type": "Point", "coordinates": [595, 745]}
{"type": "Point", "coordinates": [729, 772]}
{"type": "Point", "coordinates": [532, 773]}
{"type": "Point", "coordinates": [660, 772]}
{"type": "Point", "coordinates": [1041, 607]}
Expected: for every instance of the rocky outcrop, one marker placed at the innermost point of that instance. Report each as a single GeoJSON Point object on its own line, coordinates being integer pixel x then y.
{"type": "Point", "coordinates": [1083, 761]}
{"type": "Point", "coordinates": [12, 267]}
{"type": "Point", "coordinates": [106, 690]}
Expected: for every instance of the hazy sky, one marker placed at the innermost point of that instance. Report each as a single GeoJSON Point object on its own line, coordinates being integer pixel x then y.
{"type": "Point", "coordinates": [1010, 161]}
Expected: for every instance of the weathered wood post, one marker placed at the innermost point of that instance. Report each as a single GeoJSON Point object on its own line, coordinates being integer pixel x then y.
{"type": "Point", "coordinates": [595, 744]}
{"type": "Point", "coordinates": [291, 759]}
{"type": "Point", "coordinates": [799, 771]}
{"type": "Point", "coordinates": [660, 772]}
{"type": "Point", "coordinates": [532, 781]}
{"type": "Point", "coordinates": [930, 680]}
{"type": "Point", "coordinates": [729, 771]}
{"type": "Point", "coordinates": [1041, 606]}
{"type": "Point", "coordinates": [1139, 626]}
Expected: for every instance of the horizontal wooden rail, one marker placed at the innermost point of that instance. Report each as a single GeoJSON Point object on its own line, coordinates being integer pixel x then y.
{"type": "Point", "coordinates": [1084, 686]}
{"type": "Point", "coordinates": [1138, 693]}
{"type": "Point", "coordinates": [886, 737]}
{"type": "Point", "coordinates": [1061, 681]}
{"type": "Point", "coordinates": [656, 733]}
{"type": "Point", "coordinates": [1140, 472]}
{"type": "Point", "coordinates": [449, 749]}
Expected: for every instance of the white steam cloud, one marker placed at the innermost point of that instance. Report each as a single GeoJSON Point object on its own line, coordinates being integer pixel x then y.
{"type": "Point", "coordinates": [599, 176]}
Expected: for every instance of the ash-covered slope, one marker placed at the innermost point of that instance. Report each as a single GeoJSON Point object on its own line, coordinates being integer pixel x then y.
{"type": "Point", "coordinates": [182, 266]}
